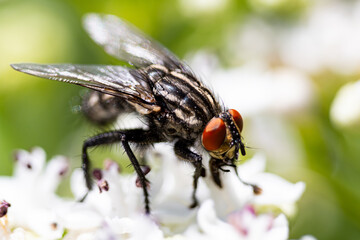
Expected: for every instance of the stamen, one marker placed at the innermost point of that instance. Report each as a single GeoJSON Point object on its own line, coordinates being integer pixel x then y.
{"type": "Point", "coordinates": [64, 170]}
{"type": "Point", "coordinates": [97, 174]}
{"type": "Point", "coordinates": [54, 226]}
{"type": "Point", "coordinates": [102, 184]}
{"type": "Point", "coordinates": [4, 208]}
{"type": "Point", "coordinates": [257, 190]}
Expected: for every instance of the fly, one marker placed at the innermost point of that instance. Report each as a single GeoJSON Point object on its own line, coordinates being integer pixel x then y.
{"type": "Point", "coordinates": [175, 104]}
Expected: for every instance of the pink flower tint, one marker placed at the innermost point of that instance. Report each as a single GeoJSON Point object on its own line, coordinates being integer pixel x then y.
{"type": "Point", "coordinates": [243, 219]}
{"type": "Point", "coordinates": [109, 163]}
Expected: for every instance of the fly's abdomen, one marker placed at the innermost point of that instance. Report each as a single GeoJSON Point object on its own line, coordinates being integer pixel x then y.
{"type": "Point", "coordinates": [102, 108]}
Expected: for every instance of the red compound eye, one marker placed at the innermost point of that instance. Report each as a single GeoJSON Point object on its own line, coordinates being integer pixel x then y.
{"type": "Point", "coordinates": [214, 134]}
{"type": "Point", "coordinates": [237, 117]}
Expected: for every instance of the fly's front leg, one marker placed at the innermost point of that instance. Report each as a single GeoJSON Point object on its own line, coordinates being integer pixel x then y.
{"type": "Point", "coordinates": [182, 150]}
{"type": "Point", "coordinates": [135, 135]}
{"type": "Point", "coordinates": [256, 189]}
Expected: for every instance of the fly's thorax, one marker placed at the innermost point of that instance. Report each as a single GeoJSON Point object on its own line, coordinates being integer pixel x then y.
{"type": "Point", "coordinates": [171, 128]}
{"type": "Point", "coordinates": [155, 72]}
{"type": "Point", "coordinates": [189, 104]}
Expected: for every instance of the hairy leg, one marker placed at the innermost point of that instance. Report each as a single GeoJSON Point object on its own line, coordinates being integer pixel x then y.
{"type": "Point", "coordinates": [139, 136]}
{"type": "Point", "coordinates": [182, 150]}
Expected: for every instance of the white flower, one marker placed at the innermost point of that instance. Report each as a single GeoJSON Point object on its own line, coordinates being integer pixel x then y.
{"type": "Point", "coordinates": [140, 227]}
{"type": "Point", "coordinates": [324, 38]}
{"type": "Point", "coordinates": [276, 192]}
{"type": "Point", "coordinates": [170, 191]}
{"type": "Point", "coordinates": [307, 237]}
{"type": "Point", "coordinates": [255, 88]}
{"type": "Point", "coordinates": [266, 5]}
{"type": "Point", "coordinates": [240, 225]}
{"type": "Point", "coordinates": [327, 38]}
{"type": "Point", "coordinates": [196, 7]}
{"type": "Point", "coordinates": [255, 40]}
{"type": "Point", "coordinates": [117, 211]}
{"type": "Point", "coordinates": [31, 193]}
{"type": "Point", "coordinates": [209, 226]}
{"type": "Point", "coordinates": [345, 109]}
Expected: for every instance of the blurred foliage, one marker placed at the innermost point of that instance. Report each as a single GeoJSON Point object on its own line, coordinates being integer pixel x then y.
{"type": "Point", "coordinates": [37, 112]}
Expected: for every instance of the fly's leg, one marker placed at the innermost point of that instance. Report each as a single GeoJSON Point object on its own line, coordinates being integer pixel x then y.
{"type": "Point", "coordinates": [139, 136]}
{"type": "Point", "coordinates": [215, 167]}
{"type": "Point", "coordinates": [256, 189]}
{"type": "Point", "coordinates": [182, 150]}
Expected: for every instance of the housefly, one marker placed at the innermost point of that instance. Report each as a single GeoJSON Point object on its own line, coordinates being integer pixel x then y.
{"type": "Point", "coordinates": [163, 90]}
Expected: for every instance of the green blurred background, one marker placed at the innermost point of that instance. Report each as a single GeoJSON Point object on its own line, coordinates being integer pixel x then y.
{"type": "Point", "coordinates": [38, 112]}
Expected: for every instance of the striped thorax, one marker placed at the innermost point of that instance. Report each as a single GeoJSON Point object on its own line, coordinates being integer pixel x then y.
{"type": "Point", "coordinates": [188, 104]}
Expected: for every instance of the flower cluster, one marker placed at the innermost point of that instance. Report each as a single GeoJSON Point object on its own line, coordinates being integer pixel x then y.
{"type": "Point", "coordinates": [345, 109]}
{"type": "Point", "coordinates": [324, 38]}
{"type": "Point", "coordinates": [116, 211]}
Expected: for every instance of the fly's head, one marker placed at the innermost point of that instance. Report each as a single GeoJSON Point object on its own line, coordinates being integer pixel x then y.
{"type": "Point", "coordinates": [222, 139]}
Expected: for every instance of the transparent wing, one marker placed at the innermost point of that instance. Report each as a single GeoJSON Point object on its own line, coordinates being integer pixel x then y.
{"type": "Point", "coordinates": [127, 43]}
{"type": "Point", "coordinates": [118, 81]}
